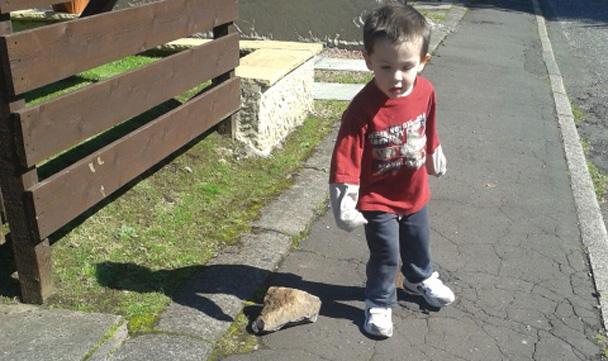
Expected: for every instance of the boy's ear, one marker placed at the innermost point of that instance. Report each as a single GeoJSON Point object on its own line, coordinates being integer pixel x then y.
{"type": "Point", "coordinates": [368, 61]}
{"type": "Point", "coordinates": [423, 61]}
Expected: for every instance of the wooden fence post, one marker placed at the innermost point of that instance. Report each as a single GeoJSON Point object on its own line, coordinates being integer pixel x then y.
{"type": "Point", "coordinates": [227, 126]}
{"type": "Point", "coordinates": [2, 217]}
{"type": "Point", "coordinates": [32, 256]}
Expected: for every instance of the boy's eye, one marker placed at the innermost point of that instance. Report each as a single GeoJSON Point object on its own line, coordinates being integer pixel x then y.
{"type": "Point", "coordinates": [385, 67]}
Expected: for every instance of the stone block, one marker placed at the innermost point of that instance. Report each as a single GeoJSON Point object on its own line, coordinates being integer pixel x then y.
{"type": "Point", "coordinates": [276, 96]}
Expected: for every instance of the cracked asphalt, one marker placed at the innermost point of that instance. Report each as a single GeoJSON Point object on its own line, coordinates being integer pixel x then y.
{"type": "Point", "coordinates": [504, 224]}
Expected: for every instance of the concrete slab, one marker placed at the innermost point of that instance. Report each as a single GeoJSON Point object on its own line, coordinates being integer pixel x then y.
{"type": "Point", "coordinates": [30, 333]}
{"type": "Point", "coordinates": [323, 63]}
{"type": "Point", "coordinates": [159, 347]}
{"type": "Point", "coordinates": [206, 306]}
{"type": "Point", "coordinates": [246, 45]}
{"type": "Point", "coordinates": [335, 91]}
{"type": "Point", "coordinates": [269, 65]}
{"type": "Point", "coordinates": [274, 44]}
{"type": "Point", "coordinates": [321, 158]}
{"type": "Point", "coordinates": [292, 212]}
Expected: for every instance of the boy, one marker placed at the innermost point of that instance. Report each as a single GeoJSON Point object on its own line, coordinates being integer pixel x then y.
{"type": "Point", "coordinates": [386, 145]}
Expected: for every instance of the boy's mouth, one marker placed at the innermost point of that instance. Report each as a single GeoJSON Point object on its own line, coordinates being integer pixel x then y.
{"type": "Point", "coordinates": [395, 90]}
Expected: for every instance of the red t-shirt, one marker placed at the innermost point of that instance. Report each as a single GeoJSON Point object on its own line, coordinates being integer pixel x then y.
{"type": "Point", "coordinates": [382, 146]}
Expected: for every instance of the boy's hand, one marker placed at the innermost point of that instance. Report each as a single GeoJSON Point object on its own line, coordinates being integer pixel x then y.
{"type": "Point", "coordinates": [344, 198]}
{"type": "Point", "coordinates": [436, 164]}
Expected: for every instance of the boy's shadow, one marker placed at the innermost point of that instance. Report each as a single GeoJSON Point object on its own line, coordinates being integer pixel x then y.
{"type": "Point", "coordinates": [206, 283]}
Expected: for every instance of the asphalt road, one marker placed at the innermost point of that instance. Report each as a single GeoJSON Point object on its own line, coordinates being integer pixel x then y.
{"type": "Point", "coordinates": [579, 35]}
{"type": "Point", "coordinates": [504, 225]}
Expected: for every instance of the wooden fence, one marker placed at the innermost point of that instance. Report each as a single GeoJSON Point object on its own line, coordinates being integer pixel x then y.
{"type": "Point", "coordinates": [36, 208]}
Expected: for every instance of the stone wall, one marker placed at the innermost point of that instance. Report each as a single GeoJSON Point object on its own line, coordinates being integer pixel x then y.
{"type": "Point", "coordinates": [269, 113]}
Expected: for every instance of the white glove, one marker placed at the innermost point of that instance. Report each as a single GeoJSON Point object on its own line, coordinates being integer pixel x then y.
{"type": "Point", "coordinates": [344, 198]}
{"type": "Point", "coordinates": [436, 164]}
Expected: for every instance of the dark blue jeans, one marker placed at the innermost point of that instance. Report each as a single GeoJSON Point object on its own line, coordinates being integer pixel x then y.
{"type": "Point", "coordinates": [392, 238]}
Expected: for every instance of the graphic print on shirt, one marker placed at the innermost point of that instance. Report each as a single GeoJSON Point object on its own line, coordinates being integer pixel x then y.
{"type": "Point", "coordinates": [398, 146]}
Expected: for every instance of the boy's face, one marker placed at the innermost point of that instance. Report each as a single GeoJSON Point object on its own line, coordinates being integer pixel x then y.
{"type": "Point", "coordinates": [396, 65]}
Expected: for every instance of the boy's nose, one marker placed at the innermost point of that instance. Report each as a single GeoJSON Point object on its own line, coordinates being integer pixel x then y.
{"type": "Point", "coordinates": [398, 75]}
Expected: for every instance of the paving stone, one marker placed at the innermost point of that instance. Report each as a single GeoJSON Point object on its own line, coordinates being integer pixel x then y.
{"type": "Point", "coordinates": [33, 334]}
{"type": "Point", "coordinates": [161, 347]}
{"type": "Point", "coordinates": [335, 91]}
{"type": "Point", "coordinates": [338, 64]}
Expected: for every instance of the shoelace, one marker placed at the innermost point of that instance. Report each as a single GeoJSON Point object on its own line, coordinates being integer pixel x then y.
{"type": "Point", "coordinates": [432, 282]}
{"type": "Point", "coordinates": [378, 311]}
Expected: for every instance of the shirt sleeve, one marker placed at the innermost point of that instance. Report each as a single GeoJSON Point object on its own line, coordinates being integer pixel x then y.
{"type": "Point", "coordinates": [348, 150]}
{"type": "Point", "coordinates": [432, 139]}
{"type": "Point", "coordinates": [436, 163]}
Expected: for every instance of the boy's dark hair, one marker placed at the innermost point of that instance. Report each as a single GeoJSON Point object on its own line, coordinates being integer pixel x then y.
{"type": "Point", "coordinates": [397, 23]}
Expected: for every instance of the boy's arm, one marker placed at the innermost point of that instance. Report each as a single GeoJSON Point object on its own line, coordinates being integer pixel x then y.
{"type": "Point", "coordinates": [345, 173]}
{"type": "Point", "coordinates": [344, 198]}
{"type": "Point", "coordinates": [436, 163]}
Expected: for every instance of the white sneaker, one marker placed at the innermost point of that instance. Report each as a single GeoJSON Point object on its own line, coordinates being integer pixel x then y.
{"type": "Point", "coordinates": [378, 321]}
{"type": "Point", "coordinates": [432, 289]}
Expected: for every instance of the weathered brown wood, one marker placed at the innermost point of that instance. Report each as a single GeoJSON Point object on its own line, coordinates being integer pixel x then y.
{"type": "Point", "coordinates": [32, 257]}
{"type": "Point", "coordinates": [41, 56]}
{"type": "Point", "coordinates": [67, 194]}
{"type": "Point", "coordinates": [7, 6]}
{"type": "Point", "coordinates": [3, 218]}
{"type": "Point", "coordinates": [97, 7]}
{"type": "Point", "coordinates": [228, 126]}
{"type": "Point", "coordinates": [50, 128]}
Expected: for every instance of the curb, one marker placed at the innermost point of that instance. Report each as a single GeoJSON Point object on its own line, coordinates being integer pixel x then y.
{"type": "Point", "coordinates": [452, 19]}
{"type": "Point", "coordinates": [591, 222]}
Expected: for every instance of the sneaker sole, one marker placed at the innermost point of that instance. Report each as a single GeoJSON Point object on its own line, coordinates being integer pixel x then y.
{"type": "Point", "coordinates": [416, 293]}
{"type": "Point", "coordinates": [377, 333]}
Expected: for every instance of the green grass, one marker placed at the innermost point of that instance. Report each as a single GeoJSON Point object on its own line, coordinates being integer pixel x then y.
{"type": "Point", "coordinates": [21, 25]}
{"type": "Point", "coordinates": [602, 342]}
{"type": "Point", "coordinates": [578, 113]}
{"type": "Point", "coordinates": [346, 77]}
{"type": "Point", "coordinates": [436, 16]}
{"type": "Point", "coordinates": [78, 81]}
{"type": "Point", "coordinates": [235, 340]}
{"type": "Point", "coordinates": [129, 257]}
{"type": "Point", "coordinates": [600, 180]}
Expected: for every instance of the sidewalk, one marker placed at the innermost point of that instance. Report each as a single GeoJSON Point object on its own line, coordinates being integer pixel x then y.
{"type": "Point", "coordinates": [504, 224]}
{"type": "Point", "coordinates": [504, 229]}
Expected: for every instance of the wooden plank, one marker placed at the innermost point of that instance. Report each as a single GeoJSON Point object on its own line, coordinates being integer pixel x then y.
{"type": "Point", "coordinates": [41, 56]}
{"type": "Point", "coordinates": [97, 7]}
{"type": "Point", "coordinates": [3, 218]}
{"type": "Point", "coordinates": [50, 128]}
{"type": "Point", "coordinates": [66, 195]}
{"type": "Point", "coordinates": [228, 126]}
{"type": "Point", "coordinates": [7, 6]}
{"type": "Point", "coordinates": [32, 257]}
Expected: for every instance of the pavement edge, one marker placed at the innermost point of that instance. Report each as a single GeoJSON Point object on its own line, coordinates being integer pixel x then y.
{"type": "Point", "coordinates": [591, 223]}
